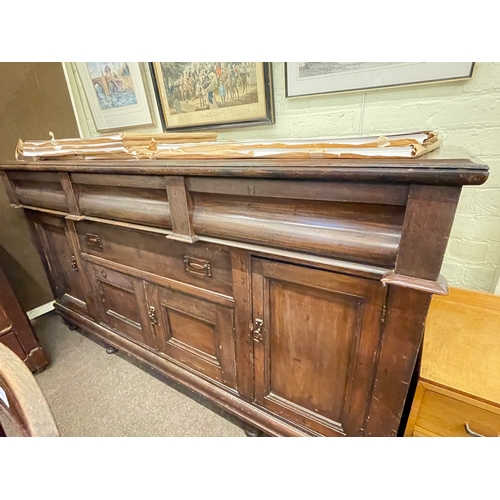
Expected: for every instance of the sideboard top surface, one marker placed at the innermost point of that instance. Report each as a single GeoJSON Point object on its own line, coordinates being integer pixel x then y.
{"type": "Point", "coordinates": [447, 166]}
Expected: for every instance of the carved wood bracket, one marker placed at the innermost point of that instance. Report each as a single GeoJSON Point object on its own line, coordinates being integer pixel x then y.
{"type": "Point", "coordinates": [438, 287]}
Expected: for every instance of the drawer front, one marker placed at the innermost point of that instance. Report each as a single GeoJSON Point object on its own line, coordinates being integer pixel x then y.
{"type": "Point", "coordinates": [201, 265]}
{"type": "Point", "coordinates": [445, 416]}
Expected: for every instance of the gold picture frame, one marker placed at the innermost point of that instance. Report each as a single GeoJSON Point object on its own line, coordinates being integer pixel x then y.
{"type": "Point", "coordinates": [200, 95]}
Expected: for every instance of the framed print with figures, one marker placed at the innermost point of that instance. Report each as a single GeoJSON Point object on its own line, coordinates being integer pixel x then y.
{"type": "Point", "coordinates": [310, 78]}
{"type": "Point", "coordinates": [115, 93]}
{"type": "Point", "coordinates": [197, 95]}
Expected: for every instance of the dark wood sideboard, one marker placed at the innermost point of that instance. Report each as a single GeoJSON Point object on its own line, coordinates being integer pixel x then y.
{"type": "Point", "coordinates": [291, 293]}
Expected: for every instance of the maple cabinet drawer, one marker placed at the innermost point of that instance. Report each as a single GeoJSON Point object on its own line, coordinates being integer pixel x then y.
{"type": "Point", "coordinates": [441, 415]}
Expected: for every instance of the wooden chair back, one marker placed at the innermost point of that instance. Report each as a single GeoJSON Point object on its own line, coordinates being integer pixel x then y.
{"type": "Point", "coordinates": [23, 407]}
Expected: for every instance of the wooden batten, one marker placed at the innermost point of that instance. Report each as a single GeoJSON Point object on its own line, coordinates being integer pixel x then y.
{"type": "Point", "coordinates": [181, 209]}
{"type": "Point", "coordinates": [11, 193]}
{"type": "Point", "coordinates": [69, 192]}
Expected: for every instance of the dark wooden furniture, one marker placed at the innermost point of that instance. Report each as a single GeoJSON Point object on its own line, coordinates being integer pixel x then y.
{"type": "Point", "coordinates": [292, 293]}
{"type": "Point", "coordinates": [23, 408]}
{"type": "Point", "coordinates": [15, 329]}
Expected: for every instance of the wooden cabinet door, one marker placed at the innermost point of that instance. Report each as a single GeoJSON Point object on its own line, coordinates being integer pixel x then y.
{"type": "Point", "coordinates": [60, 261]}
{"type": "Point", "coordinates": [195, 332]}
{"type": "Point", "coordinates": [121, 303]}
{"type": "Point", "coordinates": [316, 336]}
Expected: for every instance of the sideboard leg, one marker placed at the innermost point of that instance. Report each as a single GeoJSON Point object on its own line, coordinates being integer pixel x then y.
{"type": "Point", "coordinates": [252, 431]}
{"type": "Point", "coordinates": [111, 350]}
{"type": "Point", "coordinates": [70, 325]}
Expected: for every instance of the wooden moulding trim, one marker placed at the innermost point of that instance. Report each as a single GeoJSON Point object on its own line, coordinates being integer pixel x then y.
{"type": "Point", "coordinates": [219, 298]}
{"type": "Point", "coordinates": [45, 210]}
{"type": "Point", "coordinates": [230, 402]}
{"type": "Point", "coordinates": [354, 268]}
{"type": "Point", "coordinates": [344, 192]}
{"type": "Point", "coordinates": [342, 266]}
{"type": "Point", "coordinates": [439, 287]}
{"type": "Point", "coordinates": [183, 237]}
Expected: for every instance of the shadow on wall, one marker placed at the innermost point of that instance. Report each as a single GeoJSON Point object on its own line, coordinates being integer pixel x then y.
{"type": "Point", "coordinates": [21, 281]}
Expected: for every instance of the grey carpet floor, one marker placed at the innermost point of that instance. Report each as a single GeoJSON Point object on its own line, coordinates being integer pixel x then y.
{"type": "Point", "coordinates": [92, 393]}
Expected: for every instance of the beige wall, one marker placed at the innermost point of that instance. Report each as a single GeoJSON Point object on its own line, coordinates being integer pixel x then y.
{"type": "Point", "coordinates": [467, 113]}
{"type": "Point", "coordinates": [34, 100]}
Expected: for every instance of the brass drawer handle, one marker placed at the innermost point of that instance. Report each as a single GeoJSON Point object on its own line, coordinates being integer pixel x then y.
{"type": "Point", "coordinates": [471, 432]}
{"type": "Point", "coordinates": [93, 240]}
{"type": "Point", "coordinates": [197, 266]}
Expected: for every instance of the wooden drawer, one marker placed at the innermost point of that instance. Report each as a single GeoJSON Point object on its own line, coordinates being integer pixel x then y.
{"type": "Point", "coordinates": [146, 255]}
{"type": "Point", "coordinates": [443, 415]}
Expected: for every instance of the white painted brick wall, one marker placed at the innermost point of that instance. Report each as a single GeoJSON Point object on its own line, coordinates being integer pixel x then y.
{"type": "Point", "coordinates": [466, 112]}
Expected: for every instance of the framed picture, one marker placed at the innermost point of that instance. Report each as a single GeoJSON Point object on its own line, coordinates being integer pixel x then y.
{"type": "Point", "coordinates": [197, 95]}
{"type": "Point", "coordinates": [116, 94]}
{"type": "Point", "coordinates": [310, 78]}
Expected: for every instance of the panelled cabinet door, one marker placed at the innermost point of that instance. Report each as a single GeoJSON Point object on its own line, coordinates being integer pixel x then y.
{"type": "Point", "coordinates": [60, 261]}
{"type": "Point", "coordinates": [316, 336]}
{"type": "Point", "coordinates": [121, 303]}
{"type": "Point", "coordinates": [195, 332]}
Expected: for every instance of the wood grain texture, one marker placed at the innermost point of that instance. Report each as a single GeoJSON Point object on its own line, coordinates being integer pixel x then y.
{"type": "Point", "coordinates": [447, 416]}
{"type": "Point", "coordinates": [142, 206]}
{"type": "Point", "coordinates": [400, 341]}
{"type": "Point", "coordinates": [278, 312]}
{"type": "Point", "coordinates": [196, 333]}
{"type": "Point", "coordinates": [181, 209]}
{"type": "Point", "coordinates": [462, 344]}
{"type": "Point", "coordinates": [41, 194]}
{"type": "Point", "coordinates": [438, 287]}
{"type": "Point", "coordinates": [367, 233]}
{"type": "Point", "coordinates": [154, 254]}
{"type": "Point", "coordinates": [65, 275]}
{"type": "Point", "coordinates": [428, 220]}
{"type": "Point", "coordinates": [241, 272]}
{"type": "Point", "coordinates": [450, 167]}
{"type": "Point", "coordinates": [315, 361]}
{"type": "Point", "coordinates": [395, 194]}
{"type": "Point", "coordinates": [15, 328]}
{"type": "Point", "coordinates": [9, 189]}
{"type": "Point", "coordinates": [69, 192]}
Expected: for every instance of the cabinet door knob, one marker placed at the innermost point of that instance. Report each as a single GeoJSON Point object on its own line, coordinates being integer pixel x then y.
{"type": "Point", "coordinates": [152, 315]}
{"type": "Point", "coordinates": [257, 332]}
{"type": "Point", "coordinates": [74, 265]}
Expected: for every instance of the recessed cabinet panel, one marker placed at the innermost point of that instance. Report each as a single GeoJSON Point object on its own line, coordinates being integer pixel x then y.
{"type": "Point", "coordinates": [196, 333]}
{"type": "Point", "coordinates": [315, 341]}
{"type": "Point", "coordinates": [64, 272]}
{"type": "Point", "coordinates": [121, 303]}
